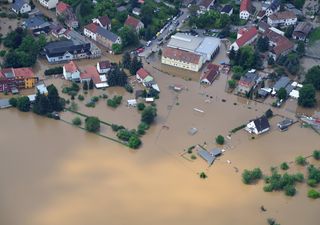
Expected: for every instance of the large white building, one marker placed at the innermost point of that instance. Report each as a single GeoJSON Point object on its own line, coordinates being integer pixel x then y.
{"type": "Point", "coordinates": [49, 4]}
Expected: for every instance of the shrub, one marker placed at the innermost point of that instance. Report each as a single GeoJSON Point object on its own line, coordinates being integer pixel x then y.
{"type": "Point", "coordinates": [80, 97]}
{"type": "Point", "coordinates": [124, 134]}
{"type": "Point", "coordinates": [92, 124]}
{"type": "Point", "coordinates": [268, 188]}
{"type": "Point", "coordinates": [76, 121]}
{"type": "Point", "coordinates": [193, 157]}
{"type": "Point", "coordinates": [316, 154]}
{"type": "Point", "coordinates": [284, 166]}
{"type": "Point", "coordinates": [314, 173]}
{"type": "Point", "coordinates": [148, 114]}
{"type": "Point", "coordinates": [90, 104]}
{"type": "Point", "coordinates": [104, 96]}
{"type": "Point", "coordinates": [220, 140]}
{"type": "Point", "coordinates": [312, 182]}
{"type": "Point", "coordinates": [203, 175]}
{"type": "Point", "coordinates": [300, 160]}
{"type": "Point", "coordinates": [95, 99]}
{"type": "Point", "coordinates": [232, 83]}
{"type": "Point", "coordinates": [115, 101]}
{"type": "Point", "coordinates": [141, 106]}
{"type": "Point", "coordinates": [3, 53]}
{"type": "Point", "coordinates": [134, 142]}
{"type": "Point", "coordinates": [116, 127]}
{"type": "Point", "coordinates": [128, 88]}
{"type": "Point", "coordinates": [53, 71]}
{"type": "Point", "coordinates": [290, 190]}
{"type": "Point", "coordinates": [74, 107]}
{"type": "Point", "coordinates": [248, 177]}
{"type": "Point", "coordinates": [313, 194]}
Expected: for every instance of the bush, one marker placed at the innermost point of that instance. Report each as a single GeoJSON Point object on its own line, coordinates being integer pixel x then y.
{"type": "Point", "coordinates": [92, 124]}
{"type": "Point", "coordinates": [312, 182]}
{"type": "Point", "coordinates": [13, 102]}
{"type": "Point", "coordinates": [232, 83]}
{"type": "Point", "coordinates": [148, 114]}
{"type": "Point", "coordinates": [90, 104]}
{"type": "Point", "coordinates": [141, 106]}
{"type": "Point", "coordinates": [220, 140]}
{"type": "Point", "coordinates": [53, 71]}
{"type": "Point", "coordinates": [284, 166]}
{"type": "Point", "coordinates": [290, 190]}
{"type": "Point", "coordinates": [124, 134]}
{"type": "Point", "coordinates": [203, 175]}
{"type": "Point", "coordinates": [3, 53]}
{"type": "Point", "coordinates": [193, 157]}
{"type": "Point", "coordinates": [95, 99]}
{"type": "Point", "coordinates": [134, 142]}
{"type": "Point", "coordinates": [116, 127]}
{"type": "Point", "coordinates": [115, 101]}
{"type": "Point", "coordinates": [300, 160]}
{"type": "Point", "coordinates": [314, 173]}
{"type": "Point", "coordinates": [80, 97]}
{"type": "Point", "coordinates": [313, 194]}
{"type": "Point", "coordinates": [128, 88]}
{"type": "Point", "coordinates": [248, 177]}
{"type": "Point", "coordinates": [76, 121]}
{"type": "Point", "coordinates": [316, 154]}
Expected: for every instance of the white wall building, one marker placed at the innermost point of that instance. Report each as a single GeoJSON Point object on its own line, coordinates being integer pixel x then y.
{"type": "Point", "coordinates": [49, 4]}
{"type": "Point", "coordinates": [285, 18]}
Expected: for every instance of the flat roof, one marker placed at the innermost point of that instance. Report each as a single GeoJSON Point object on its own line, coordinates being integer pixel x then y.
{"type": "Point", "coordinates": [184, 42]}
{"type": "Point", "coordinates": [209, 45]}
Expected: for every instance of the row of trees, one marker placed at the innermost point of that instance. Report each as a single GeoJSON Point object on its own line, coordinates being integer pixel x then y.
{"type": "Point", "coordinates": [132, 64]}
{"type": "Point", "coordinates": [24, 48]}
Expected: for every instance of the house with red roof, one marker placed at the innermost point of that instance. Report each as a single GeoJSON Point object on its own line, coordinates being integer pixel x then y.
{"type": "Point", "coordinates": [245, 37]}
{"type": "Point", "coordinates": [17, 78]}
{"type": "Point", "coordinates": [210, 74]}
{"type": "Point", "coordinates": [103, 67]}
{"type": "Point", "coordinates": [91, 73]}
{"type": "Point", "coordinates": [143, 76]}
{"type": "Point", "coordinates": [71, 71]}
{"type": "Point", "coordinates": [134, 23]}
{"type": "Point", "coordinates": [103, 21]}
{"type": "Point", "coordinates": [65, 12]}
{"type": "Point", "coordinates": [245, 9]}
{"type": "Point", "coordinates": [90, 30]}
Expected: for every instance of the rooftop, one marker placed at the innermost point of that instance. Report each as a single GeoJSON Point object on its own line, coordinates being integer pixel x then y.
{"type": "Point", "coordinates": [261, 123]}
{"type": "Point", "coordinates": [18, 4]}
{"type": "Point", "coordinates": [226, 8]}
{"type": "Point", "coordinates": [107, 34]}
{"type": "Point", "coordinates": [211, 72]}
{"type": "Point", "coordinates": [185, 42]}
{"type": "Point", "coordinates": [142, 73]}
{"type": "Point", "coordinates": [283, 15]}
{"type": "Point", "coordinates": [104, 64]}
{"type": "Point", "coordinates": [245, 5]}
{"type": "Point", "coordinates": [131, 21]}
{"type": "Point", "coordinates": [181, 55]}
{"type": "Point", "coordinates": [208, 45]}
{"type": "Point", "coordinates": [61, 7]}
{"type": "Point", "coordinates": [104, 20]}
{"type": "Point", "coordinates": [247, 36]}
{"type": "Point", "coordinates": [71, 67]}
{"type": "Point", "coordinates": [281, 83]}
{"type": "Point", "coordinates": [36, 22]}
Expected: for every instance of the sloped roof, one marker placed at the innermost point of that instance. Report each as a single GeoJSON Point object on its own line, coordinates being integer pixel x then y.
{"type": "Point", "coordinates": [17, 5]}
{"type": "Point", "coordinates": [205, 3]}
{"type": "Point", "coordinates": [107, 34]}
{"type": "Point", "coordinates": [104, 20]}
{"type": "Point", "coordinates": [71, 67]}
{"type": "Point", "coordinates": [131, 21]}
{"type": "Point", "coordinates": [303, 27]}
{"type": "Point", "coordinates": [248, 79]}
{"type": "Point", "coordinates": [226, 8]}
{"type": "Point", "coordinates": [211, 72]}
{"type": "Point", "coordinates": [181, 55]}
{"type": "Point", "coordinates": [23, 72]}
{"type": "Point", "coordinates": [247, 36]}
{"type": "Point", "coordinates": [282, 15]}
{"type": "Point", "coordinates": [104, 64]}
{"type": "Point", "coordinates": [36, 22]}
{"type": "Point", "coordinates": [283, 46]}
{"type": "Point", "coordinates": [61, 7]}
{"type": "Point", "coordinates": [245, 5]}
{"type": "Point", "coordinates": [93, 27]}
{"type": "Point", "coordinates": [261, 123]}
{"type": "Point", "coordinates": [142, 73]}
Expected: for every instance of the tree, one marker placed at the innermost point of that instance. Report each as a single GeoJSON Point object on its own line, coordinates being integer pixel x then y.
{"type": "Point", "coordinates": [128, 36]}
{"type": "Point", "coordinates": [312, 193]}
{"type": "Point", "coordinates": [282, 94]}
{"type": "Point", "coordinates": [135, 65]}
{"type": "Point", "coordinates": [284, 166]}
{"type": "Point", "coordinates": [91, 85]}
{"type": "Point", "coordinates": [148, 114]}
{"type": "Point", "coordinates": [270, 61]}
{"type": "Point", "coordinates": [263, 44]}
{"type": "Point", "coordinates": [316, 154]}
{"type": "Point", "coordinates": [147, 14]}
{"type": "Point", "coordinates": [220, 140]}
{"type": "Point", "coordinates": [290, 190]}
{"type": "Point", "coordinates": [117, 77]}
{"type": "Point", "coordinates": [13, 102]}
{"type": "Point", "coordinates": [85, 86]}
{"type": "Point", "coordinates": [41, 105]}
{"type": "Point", "coordinates": [92, 124]}
{"type": "Point", "coordinates": [134, 142]}
{"type": "Point", "coordinates": [117, 48]}
{"type": "Point", "coordinates": [307, 96]}
{"type": "Point", "coordinates": [14, 38]}
{"type": "Point", "coordinates": [300, 160]}
{"type": "Point", "coordinates": [141, 106]}
{"type": "Point", "coordinates": [54, 98]}
{"type": "Point", "coordinates": [313, 77]}
{"type": "Point", "coordinates": [250, 176]}
{"type": "Point", "coordinates": [301, 48]}
{"type": "Point", "coordinates": [126, 60]}
{"type": "Point", "coordinates": [23, 104]}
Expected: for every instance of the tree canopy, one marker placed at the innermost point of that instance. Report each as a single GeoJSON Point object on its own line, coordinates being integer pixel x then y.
{"type": "Point", "coordinates": [148, 114]}
{"type": "Point", "coordinates": [307, 96]}
{"type": "Point", "coordinates": [313, 77]}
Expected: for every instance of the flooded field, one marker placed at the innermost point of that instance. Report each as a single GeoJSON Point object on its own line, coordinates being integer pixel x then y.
{"type": "Point", "coordinates": [53, 173]}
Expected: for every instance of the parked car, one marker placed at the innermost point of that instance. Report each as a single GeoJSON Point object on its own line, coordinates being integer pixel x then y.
{"type": "Point", "coordinates": [148, 43]}
{"type": "Point", "coordinates": [140, 50]}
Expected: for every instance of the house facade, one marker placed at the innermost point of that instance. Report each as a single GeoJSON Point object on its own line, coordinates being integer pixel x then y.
{"type": "Point", "coordinates": [274, 7]}
{"type": "Point", "coordinates": [245, 8]}
{"type": "Point", "coordinates": [17, 78]}
{"type": "Point", "coordinates": [210, 74]}
{"type": "Point", "coordinates": [21, 6]}
{"type": "Point", "coordinates": [103, 67]}
{"type": "Point", "coordinates": [143, 76]}
{"type": "Point", "coordinates": [182, 59]}
{"type": "Point", "coordinates": [285, 18]}
{"type": "Point", "coordinates": [49, 4]}
{"type": "Point", "coordinates": [71, 71]}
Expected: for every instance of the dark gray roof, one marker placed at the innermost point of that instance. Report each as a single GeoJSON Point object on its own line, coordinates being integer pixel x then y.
{"type": "Point", "coordinates": [206, 156]}
{"type": "Point", "coordinates": [261, 123]}
{"type": "Point", "coordinates": [226, 8]}
{"type": "Point", "coordinates": [18, 4]}
{"type": "Point", "coordinates": [121, 8]}
{"type": "Point", "coordinates": [281, 83]}
{"type": "Point", "coordinates": [289, 88]}
{"type": "Point", "coordinates": [107, 34]}
{"type": "Point", "coordinates": [263, 93]}
{"type": "Point", "coordinates": [36, 22]}
{"type": "Point", "coordinates": [263, 25]}
{"type": "Point", "coordinates": [59, 48]}
{"type": "Point", "coordinates": [249, 77]}
{"type": "Point", "coordinates": [285, 123]}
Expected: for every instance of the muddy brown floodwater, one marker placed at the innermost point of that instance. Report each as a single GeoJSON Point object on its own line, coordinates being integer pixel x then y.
{"type": "Point", "coordinates": [52, 173]}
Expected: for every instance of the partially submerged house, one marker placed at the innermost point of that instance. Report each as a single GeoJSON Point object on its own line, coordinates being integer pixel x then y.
{"type": "Point", "coordinates": [134, 23]}
{"type": "Point", "coordinates": [210, 74]}
{"type": "Point", "coordinates": [143, 76]}
{"type": "Point", "coordinates": [71, 71]}
{"type": "Point", "coordinates": [208, 156]}
{"type": "Point", "coordinates": [103, 67]}
{"type": "Point", "coordinates": [258, 126]}
{"type": "Point", "coordinates": [247, 83]}
{"type": "Point", "coordinates": [91, 73]}
{"type": "Point", "coordinates": [21, 6]}
{"type": "Point", "coordinates": [284, 124]}
{"type": "Point", "coordinates": [37, 24]}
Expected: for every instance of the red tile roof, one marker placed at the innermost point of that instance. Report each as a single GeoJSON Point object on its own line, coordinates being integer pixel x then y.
{"type": "Point", "coordinates": [142, 73]}
{"type": "Point", "coordinates": [211, 72]}
{"type": "Point", "coordinates": [71, 67]}
{"type": "Point", "coordinates": [61, 7]}
{"type": "Point", "coordinates": [132, 22]}
{"type": "Point", "coordinates": [104, 64]}
{"type": "Point", "coordinates": [91, 72]}
{"type": "Point", "coordinates": [283, 46]}
{"type": "Point", "coordinates": [245, 5]}
{"type": "Point", "coordinates": [283, 15]}
{"type": "Point", "coordinates": [104, 20]}
{"type": "Point", "coordinates": [181, 55]}
{"type": "Point", "coordinates": [247, 36]}
{"type": "Point", "coordinates": [25, 72]}
{"type": "Point", "coordinates": [92, 27]}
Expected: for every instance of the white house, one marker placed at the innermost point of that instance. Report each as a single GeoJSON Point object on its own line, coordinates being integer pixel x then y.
{"type": "Point", "coordinates": [49, 4]}
{"type": "Point", "coordinates": [143, 76]}
{"type": "Point", "coordinates": [71, 71]}
{"type": "Point", "coordinates": [245, 37]}
{"type": "Point", "coordinates": [103, 67]}
{"type": "Point", "coordinates": [90, 31]}
{"type": "Point", "coordinates": [21, 6]}
{"type": "Point", "coordinates": [245, 7]}
{"type": "Point", "coordinates": [103, 21]}
{"type": "Point", "coordinates": [258, 126]}
{"type": "Point", "coordinates": [285, 18]}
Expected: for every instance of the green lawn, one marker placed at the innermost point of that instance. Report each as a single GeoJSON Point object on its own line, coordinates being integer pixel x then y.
{"type": "Point", "coordinates": [314, 35]}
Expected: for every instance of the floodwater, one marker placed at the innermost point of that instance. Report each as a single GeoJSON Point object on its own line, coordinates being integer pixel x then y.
{"type": "Point", "coordinates": [53, 173]}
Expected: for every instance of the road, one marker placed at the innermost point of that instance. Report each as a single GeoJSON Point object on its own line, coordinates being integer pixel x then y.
{"type": "Point", "coordinates": [154, 47]}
